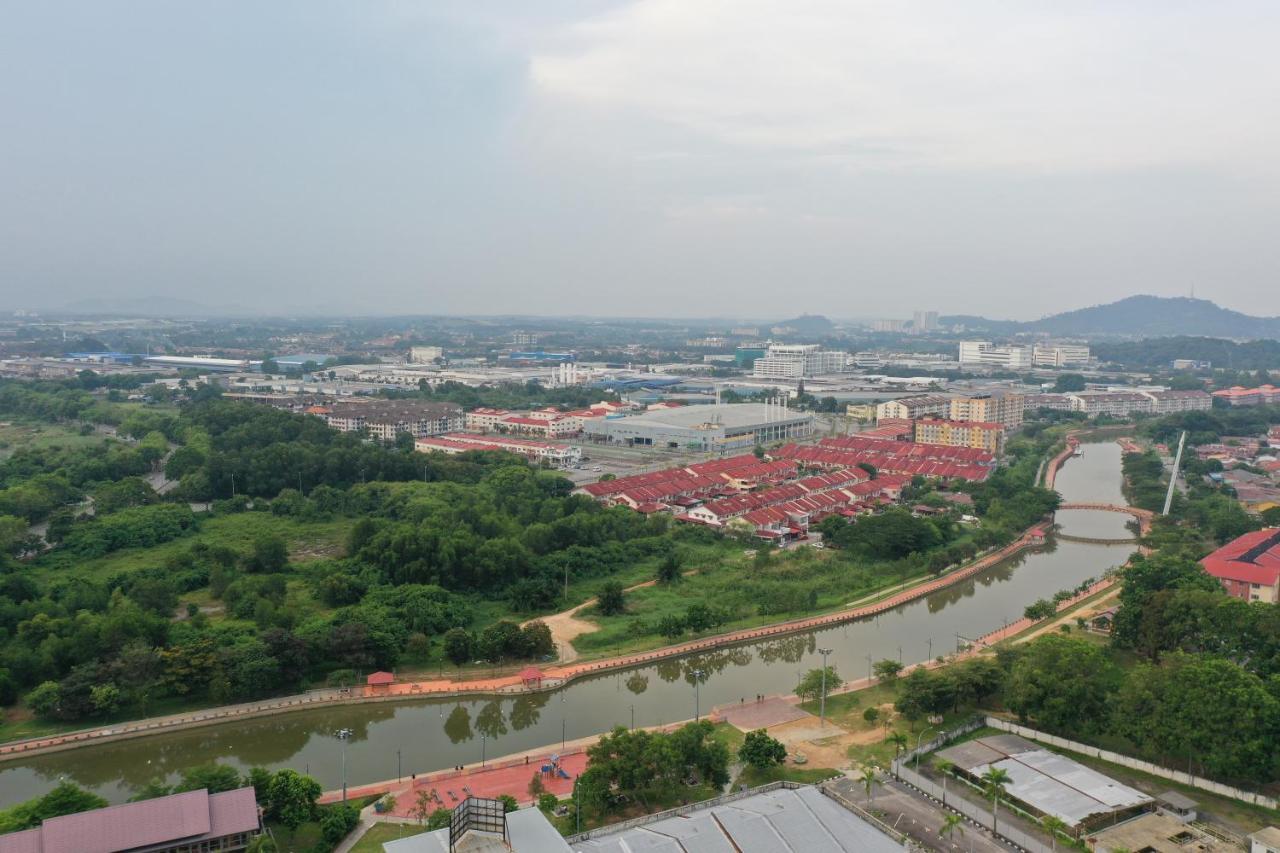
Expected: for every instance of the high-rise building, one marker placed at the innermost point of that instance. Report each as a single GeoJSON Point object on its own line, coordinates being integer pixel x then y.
{"type": "Point", "coordinates": [987, 354]}
{"type": "Point", "coordinates": [798, 361]}
{"type": "Point", "coordinates": [995, 407]}
{"type": "Point", "coordinates": [925, 321]}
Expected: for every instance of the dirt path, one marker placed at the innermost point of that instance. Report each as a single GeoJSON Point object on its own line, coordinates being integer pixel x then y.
{"type": "Point", "coordinates": [566, 626]}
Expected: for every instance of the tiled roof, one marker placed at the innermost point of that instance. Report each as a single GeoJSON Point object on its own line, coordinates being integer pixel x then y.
{"type": "Point", "coordinates": [1252, 558]}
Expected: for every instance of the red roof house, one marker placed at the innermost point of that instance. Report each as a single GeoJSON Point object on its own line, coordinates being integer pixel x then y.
{"type": "Point", "coordinates": [531, 676]}
{"type": "Point", "coordinates": [1249, 567]}
{"type": "Point", "coordinates": [381, 679]}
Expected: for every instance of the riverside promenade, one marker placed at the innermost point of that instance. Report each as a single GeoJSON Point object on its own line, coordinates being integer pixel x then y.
{"type": "Point", "coordinates": [553, 676]}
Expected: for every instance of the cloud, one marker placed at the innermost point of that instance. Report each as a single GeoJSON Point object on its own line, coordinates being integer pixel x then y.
{"type": "Point", "coordinates": [984, 84]}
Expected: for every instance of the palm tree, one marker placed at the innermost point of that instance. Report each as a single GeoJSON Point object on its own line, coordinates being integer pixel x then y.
{"type": "Point", "coordinates": [945, 768]}
{"type": "Point", "coordinates": [1053, 826]}
{"type": "Point", "coordinates": [868, 780]}
{"type": "Point", "coordinates": [950, 823]}
{"type": "Point", "coordinates": [899, 741]}
{"type": "Point", "coordinates": [993, 785]}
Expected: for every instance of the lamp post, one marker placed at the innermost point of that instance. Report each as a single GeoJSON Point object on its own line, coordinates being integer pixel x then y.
{"type": "Point", "coordinates": [697, 680]}
{"type": "Point", "coordinates": [633, 718]}
{"type": "Point", "coordinates": [822, 703]}
{"type": "Point", "coordinates": [398, 772]}
{"type": "Point", "coordinates": [868, 670]}
{"type": "Point", "coordinates": [344, 735]}
{"type": "Point", "coordinates": [919, 739]}
{"type": "Point", "coordinates": [482, 745]}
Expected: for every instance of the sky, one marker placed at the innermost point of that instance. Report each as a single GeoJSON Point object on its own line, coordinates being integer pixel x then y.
{"type": "Point", "coordinates": [683, 158]}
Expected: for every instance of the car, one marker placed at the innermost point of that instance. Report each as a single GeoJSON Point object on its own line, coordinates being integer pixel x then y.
{"type": "Point", "coordinates": [596, 468]}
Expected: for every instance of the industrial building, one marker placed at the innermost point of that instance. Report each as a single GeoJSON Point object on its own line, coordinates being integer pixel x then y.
{"type": "Point", "coordinates": [707, 428]}
{"type": "Point", "coordinates": [425, 355]}
{"type": "Point", "coordinates": [987, 354]}
{"type": "Point", "coordinates": [1060, 355]}
{"type": "Point", "coordinates": [558, 455]}
{"type": "Point", "coordinates": [199, 362]}
{"type": "Point", "coordinates": [799, 361]}
{"type": "Point", "coordinates": [1046, 783]}
{"type": "Point", "coordinates": [784, 819]}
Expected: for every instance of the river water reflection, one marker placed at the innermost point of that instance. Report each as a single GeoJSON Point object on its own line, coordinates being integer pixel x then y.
{"type": "Point", "coordinates": [426, 735]}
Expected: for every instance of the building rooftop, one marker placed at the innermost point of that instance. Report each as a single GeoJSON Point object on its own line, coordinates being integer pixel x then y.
{"type": "Point", "coordinates": [780, 821]}
{"type": "Point", "coordinates": [528, 831]}
{"type": "Point", "coordinates": [731, 415]}
{"type": "Point", "coordinates": [1252, 558]}
{"type": "Point", "coordinates": [1046, 781]}
{"type": "Point", "coordinates": [187, 818]}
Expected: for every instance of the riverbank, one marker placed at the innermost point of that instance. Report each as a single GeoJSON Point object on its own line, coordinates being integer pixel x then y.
{"type": "Point", "coordinates": [552, 678]}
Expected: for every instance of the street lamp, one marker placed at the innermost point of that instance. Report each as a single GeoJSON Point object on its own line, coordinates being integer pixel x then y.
{"type": "Point", "coordinates": [344, 735]}
{"type": "Point", "coordinates": [919, 739]}
{"type": "Point", "coordinates": [697, 680]}
{"type": "Point", "coordinates": [868, 670]}
{"type": "Point", "coordinates": [633, 718]}
{"type": "Point", "coordinates": [482, 744]}
{"type": "Point", "coordinates": [822, 706]}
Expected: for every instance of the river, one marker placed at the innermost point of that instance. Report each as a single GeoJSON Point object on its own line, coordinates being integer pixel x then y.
{"type": "Point", "coordinates": [427, 735]}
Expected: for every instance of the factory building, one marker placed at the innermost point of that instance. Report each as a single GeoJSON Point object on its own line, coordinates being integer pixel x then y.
{"type": "Point", "coordinates": [707, 428]}
{"type": "Point", "coordinates": [798, 361]}
{"type": "Point", "coordinates": [1060, 355]}
{"type": "Point", "coordinates": [987, 354]}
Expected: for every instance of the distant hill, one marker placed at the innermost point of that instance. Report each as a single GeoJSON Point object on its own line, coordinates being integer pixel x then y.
{"type": "Point", "coordinates": [808, 324]}
{"type": "Point", "coordinates": [1139, 316]}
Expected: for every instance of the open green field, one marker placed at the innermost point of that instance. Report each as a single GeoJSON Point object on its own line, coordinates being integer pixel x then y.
{"type": "Point", "coordinates": [35, 435]}
{"type": "Point", "coordinates": [306, 540]}
{"type": "Point", "coordinates": [380, 833]}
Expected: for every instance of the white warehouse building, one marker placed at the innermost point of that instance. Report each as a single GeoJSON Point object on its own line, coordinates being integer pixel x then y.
{"type": "Point", "coordinates": [799, 361]}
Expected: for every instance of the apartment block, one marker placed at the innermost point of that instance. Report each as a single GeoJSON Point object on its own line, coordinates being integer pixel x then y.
{"type": "Point", "coordinates": [952, 433]}
{"type": "Point", "coordinates": [1171, 402]}
{"type": "Point", "coordinates": [998, 407]}
{"type": "Point", "coordinates": [911, 408]}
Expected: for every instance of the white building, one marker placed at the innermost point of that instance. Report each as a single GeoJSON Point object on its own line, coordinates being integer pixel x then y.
{"type": "Point", "coordinates": [1119, 404]}
{"type": "Point", "coordinates": [1060, 355]}
{"type": "Point", "coordinates": [925, 321]}
{"type": "Point", "coordinates": [935, 405]}
{"type": "Point", "coordinates": [1170, 402]}
{"type": "Point", "coordinates": [425, 355]}
{"type": "Point", "coordinates": [987, 354]}
{"type": "Point", "coordinates": [798, 361]}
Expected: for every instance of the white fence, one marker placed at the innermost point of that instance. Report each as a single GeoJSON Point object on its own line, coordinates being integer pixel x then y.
{"type": "Point", "coordinates": [1134, 763]}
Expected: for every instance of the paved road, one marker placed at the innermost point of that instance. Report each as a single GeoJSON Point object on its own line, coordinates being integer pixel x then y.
{"type": "Point", "coordinates": [920, 818]}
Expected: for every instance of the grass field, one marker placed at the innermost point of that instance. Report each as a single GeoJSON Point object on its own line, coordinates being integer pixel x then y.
{"type": "Point", "coordinates": [306, 540]}
{"type": "Point", "coordinates": [380, 833]}
{"type": "Point", "coordinates": [15, 433]}
{"type": "Point", "coordinates": [729, 579]}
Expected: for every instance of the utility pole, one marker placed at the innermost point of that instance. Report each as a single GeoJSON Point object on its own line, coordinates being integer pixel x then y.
{"type": "Point", "coordinates": [344, 735]}
{"type": "Point", "coordinates": [1173, 477]}
{"type": "Point", "coordinates": [697, 680]}
{"type": "Point", "coordinates": [822, 706]}
{"type": "Point", "coordinates": [868, 669]}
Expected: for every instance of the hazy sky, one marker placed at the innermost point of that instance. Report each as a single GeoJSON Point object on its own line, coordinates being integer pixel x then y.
{"type": "Point", "coordinates": [652, 157]}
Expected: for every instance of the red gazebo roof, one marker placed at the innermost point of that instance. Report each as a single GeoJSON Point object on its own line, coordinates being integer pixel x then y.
{"type": "Point", "coordinates": [381, 679]}
{"type": "Point", "coordinates": [531, 673]}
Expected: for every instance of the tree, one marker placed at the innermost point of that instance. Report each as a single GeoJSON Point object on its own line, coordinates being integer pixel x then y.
{"type": "Point", "coordinates": [548, 802]}
{"type": "Point", "coordinates": [611, 600]}
{"type": "Point", "coordinates": [458, 645]}
{"type": "Point", "coordinates": [45, 699]}
{"type": "Point", "coordinates": [338, 822]}
{"type": "Point", "coordinates": [811, 683]}
{"type": "Point", "coordinates": [1054, 826]}
{"type": "Point", "coordinates": [669, 568]}
{"type": "Point", "coordinates": [421, 808]}
{"type": "Point", "coordinates": [1063, 683]}
{"type": "Point", "coordinates": [509, 803]}
{"type": "Point", "coordinates": [887, 669]}
{"type": "Point", "coordinates": [871, 714]}
{"type": "Point", "coordinates": [291, 798]}
{"type": "Point", "coordinates": [671, 626]}
{"type": "Point", "coordinates": [899, 741]}
{"type": "Point", "coordinates": [761, 751]}
{"type": "Point", "coordinates": [537, 640]}
{"type": "Point", "coordinates": [950, 823]}
{"type": "Point", "coordinates": [1069, 383]}
{"type": "Point", "coordinates": [439, 819]}
{"type": "Point", "coordinates": [270, 554]}
{"type": "Point", "coordinates": [536, 787]}
{"type": "Point", "coordinates": [868, 780]}
{"type": "Point", "coordinates": [213, 777]}
{"type": "Point", "coordinates": [993, 785]}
